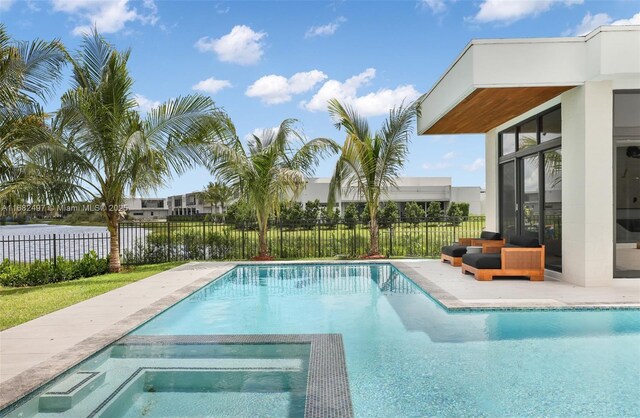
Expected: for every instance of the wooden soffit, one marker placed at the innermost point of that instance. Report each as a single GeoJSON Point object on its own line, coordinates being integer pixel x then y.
{"type": "Point", "coordinates": [486, 108]}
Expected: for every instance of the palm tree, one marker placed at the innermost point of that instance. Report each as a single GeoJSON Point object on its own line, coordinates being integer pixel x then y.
{"type": "Point", "coordinates": [370, 163]}
{"type": "Point", "coordinates": [271, 170]}
{"type": "Point", "coordinates": [106, 149]}
{"type": "Point", "coordinates": [29, 73]}
{"type": "Point", "coordinates": [217, 193]}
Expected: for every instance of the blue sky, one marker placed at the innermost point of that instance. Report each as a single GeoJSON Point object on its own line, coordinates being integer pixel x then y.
{"type": "Point", "coordinates": [270, 60]}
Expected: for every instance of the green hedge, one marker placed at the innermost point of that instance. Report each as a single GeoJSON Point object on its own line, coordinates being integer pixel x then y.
{"type": "Point", "coordinates": [43, 272]}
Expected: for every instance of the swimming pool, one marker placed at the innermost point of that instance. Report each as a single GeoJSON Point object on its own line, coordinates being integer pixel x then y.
{"type": "Point", "coordinates": [404, 354]}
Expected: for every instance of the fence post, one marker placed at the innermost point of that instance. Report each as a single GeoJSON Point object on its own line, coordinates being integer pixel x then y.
{"type": "Point", "coordinates": [426, 237]}
{"type": "Point", "coordinates": [168, 240]}
{"type": "Point", "coordinates": [55, 251]}
{"type": "Point", "coordinates": [390, 239]}
{"type": "Point", "coordinates": [281, 238]}
{"type": "Point", "coordinates": [354, 239]}
{"type": "Point", "coordinates": [204, 240]}
{"type": "Point", "coordinates": [319, 238]}
{"type": "Point", "coordinates": [243, 239]}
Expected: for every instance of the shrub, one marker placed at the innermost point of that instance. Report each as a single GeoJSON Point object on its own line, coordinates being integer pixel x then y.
{"type": "Point", "coordinates": [311, 213]}
{"type": "Point", "coordinates": [464, 209]}
{"type": "Point", "coordinates": [388, 215]}
{"type": "Point", "coordinates": [239, 214]}
{"type": "Point", "coordinates": [43, 272]}
{"type": "Point", "coordinates": [330, 219]}
{"type": "Point", "coordinates": [351, 216]}
{"type": "Point", "coordinates": [434, 211]}
{"type": "Point", "coordinates": [413, 213]}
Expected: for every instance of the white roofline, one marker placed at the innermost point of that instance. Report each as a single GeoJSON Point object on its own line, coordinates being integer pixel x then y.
{"type": "Point", "coordinates": [490, 41]}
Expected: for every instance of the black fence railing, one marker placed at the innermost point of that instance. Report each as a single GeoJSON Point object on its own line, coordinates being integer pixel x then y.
{"type": "Point", "coordinates": [149, 242]}
{"type": "Point", "coordinates": [24, 249]}
{"type": "Point", "coordinates": [153, 242]}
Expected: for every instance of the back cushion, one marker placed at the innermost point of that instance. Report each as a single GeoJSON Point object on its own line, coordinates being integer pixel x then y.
{"type": "Point", "coordinates": [522, 241]}
{"type": "Point", "coordinates": [490, 235]}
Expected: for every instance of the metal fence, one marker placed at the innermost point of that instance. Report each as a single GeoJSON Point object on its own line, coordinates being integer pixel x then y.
{"type": "Point", "coordinates": [24, 249]}
{"type": "Point", "coordinates": [153, 242]}
{"type": "Point", "coordinates": [146, 242]}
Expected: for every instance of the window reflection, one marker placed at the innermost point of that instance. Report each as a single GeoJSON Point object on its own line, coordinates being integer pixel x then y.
{"type": "Point", "coordinates": [551, 126]}
{"type": "Point", "coordinates": [528, 134]}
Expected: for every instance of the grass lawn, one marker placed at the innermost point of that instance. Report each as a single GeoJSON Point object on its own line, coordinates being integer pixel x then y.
{"type": "Point", "coordinates": [22, 304]}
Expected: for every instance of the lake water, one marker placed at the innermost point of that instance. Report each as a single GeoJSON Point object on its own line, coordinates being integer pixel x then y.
{"type": "Point", "coordinates": [44, 229]}
{"type": "Point", "coordinates": [26, 243]}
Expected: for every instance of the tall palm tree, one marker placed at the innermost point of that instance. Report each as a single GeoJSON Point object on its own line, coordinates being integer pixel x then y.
{"type": "Point", "coordinates": [29, 73]}
{"type": "Point", "coordinates": [271, 170]}
{"type": "Point", "coordinates": [106, 149]}
{"type": "Point", "coordinates": [370, 163]}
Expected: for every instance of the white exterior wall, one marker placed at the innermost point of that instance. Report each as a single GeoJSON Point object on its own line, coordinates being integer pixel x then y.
{"type": "Point", "coordinates": [470, 195]}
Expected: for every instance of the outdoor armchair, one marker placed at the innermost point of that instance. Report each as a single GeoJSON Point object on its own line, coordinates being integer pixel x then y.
{"type": "Point", "coordinates": [491, 242]}
{"type": "Point", "coordinates": [522, 256]}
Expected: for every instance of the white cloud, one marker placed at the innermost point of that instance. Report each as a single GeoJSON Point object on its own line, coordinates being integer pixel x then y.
{"type": "Point", "coordinates": [107, 16]}
{"type": "Point", "coordinates": [436, 6]}
{"type": "Point", "coordinates": [144, 104]}
{"type": "Point", "coordinates": [260, 133]}
{"type": "Point", "coordinates": [275, 89]}
{"type": "Point", "coordinates": [6, 5]}
{"type": "Point", "coordinates": [211, 85]}
{"type": "Point", "coordinates": [476, 165]}
{"type": "Point", "coordinates": [591, 22]}
{"type": "Point", "coordinates": [436, 166]}
{"type": "Point", "coordinates": [449, 155]}
{"type": "Point", "coordinates": [325, 30]}
{"type": "Point", "coordinates": [372, 104]}
{"type": "Point", "coordinates": [240, 46]}
{"type": "Point", "coordinates": [509, 11]}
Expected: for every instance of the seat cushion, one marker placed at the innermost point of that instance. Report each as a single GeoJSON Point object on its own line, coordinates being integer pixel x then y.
{"type": "Point", "coordinates": [454, 250]}
{"type": "Point", "coordinates": [524, 241]}
{"type": "Point", "coordinates": [490, 235]}
{"type": "Point", "coordinates": [482, 261]}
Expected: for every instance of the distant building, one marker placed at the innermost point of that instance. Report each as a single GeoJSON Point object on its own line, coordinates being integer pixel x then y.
{"type": "Point", "coordinates": [421, 190]}
{"type": "Point", "coordinates": [147, 208]}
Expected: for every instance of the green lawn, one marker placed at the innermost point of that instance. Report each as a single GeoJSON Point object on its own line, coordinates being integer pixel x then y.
{"type": "Point", "coordinates": [22, 304]}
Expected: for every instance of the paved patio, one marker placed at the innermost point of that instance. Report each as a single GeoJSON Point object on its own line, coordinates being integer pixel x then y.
{"type": "Point", "coordinates": [39, 350]}
{"type": "Point", "coordinates": [457, 291]}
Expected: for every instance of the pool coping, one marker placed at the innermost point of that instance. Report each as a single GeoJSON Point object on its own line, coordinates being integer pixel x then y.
{"type": "Point", "coordinates": [30, 379]}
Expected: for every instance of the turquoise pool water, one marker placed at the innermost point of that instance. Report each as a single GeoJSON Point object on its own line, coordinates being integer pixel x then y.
{"type": "Point", "coordinates": [405, 355]}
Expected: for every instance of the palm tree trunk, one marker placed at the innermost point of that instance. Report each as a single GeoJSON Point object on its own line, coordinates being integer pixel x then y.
{"type": "Point", "coordinates": [263, 248]}
{"type": "Point", "coordinates": [114, 242]}
{"type": "Point", "coordinates": [373, 231]}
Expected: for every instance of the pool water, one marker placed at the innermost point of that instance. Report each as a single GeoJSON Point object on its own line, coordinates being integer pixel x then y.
{"type": "Point", "coordinates": [405, 355]}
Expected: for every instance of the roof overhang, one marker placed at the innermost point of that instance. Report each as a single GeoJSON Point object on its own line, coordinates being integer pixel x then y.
{"type": "Point", "coordinates": [494, 80]}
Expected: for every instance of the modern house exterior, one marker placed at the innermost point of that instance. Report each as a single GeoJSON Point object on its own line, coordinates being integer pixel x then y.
{"type": "Point", "coordinates": [561, 118]}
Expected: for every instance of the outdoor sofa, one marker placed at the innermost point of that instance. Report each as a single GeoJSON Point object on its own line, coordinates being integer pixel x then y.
{"type": "Point", "coordinates": [522, 256]}
{"type": "Point", "coordinates": [491, 242]}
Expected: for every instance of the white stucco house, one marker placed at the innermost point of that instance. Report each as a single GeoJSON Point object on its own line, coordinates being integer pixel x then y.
{"type": "Point", "coordinates": [561, 119]}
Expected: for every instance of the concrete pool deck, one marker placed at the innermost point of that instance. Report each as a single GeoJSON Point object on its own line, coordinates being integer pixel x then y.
{"type": "Point", "coordinates": [35, 352]}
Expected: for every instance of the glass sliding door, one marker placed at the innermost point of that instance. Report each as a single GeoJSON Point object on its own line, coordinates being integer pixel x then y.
{"type": "Point", "coordinates": [552, 215]}
{"type": "Point", "coordinates": [508, 210]}
{"type": "Point", "coordinates": [530, 182]}
{"type": "Point", "coordinates": [626, 137]}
